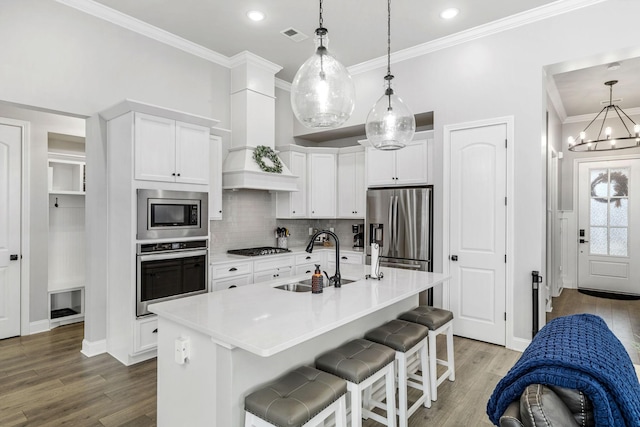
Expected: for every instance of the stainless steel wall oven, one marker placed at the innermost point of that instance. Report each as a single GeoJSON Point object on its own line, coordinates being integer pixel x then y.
{"type": "Point", "coordinates": [170, 270]}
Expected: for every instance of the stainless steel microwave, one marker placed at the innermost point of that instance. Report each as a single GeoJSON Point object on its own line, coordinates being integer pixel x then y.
{"type": "Point", "coordinates": [166, 214]}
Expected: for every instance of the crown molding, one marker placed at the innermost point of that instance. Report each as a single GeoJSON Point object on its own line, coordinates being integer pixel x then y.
{"type": "Point", "coordinates": [246, 57]}
{"type": "Point", "coordinates": [282, 84]}
{"type": "Point", "coordinates": [543, 12]}
{"type": "Point", "coordinates": [588, 117]}
{"type": "Point", "coordinates": [125, 21]}
{"type": "Point", "coordinates": [540, 13]}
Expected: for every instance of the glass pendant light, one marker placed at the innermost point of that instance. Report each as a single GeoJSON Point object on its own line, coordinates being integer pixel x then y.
{"type": "Point", "coordinates": [322, 92]}
{"type": "Point", "coordinates": [390, 124]}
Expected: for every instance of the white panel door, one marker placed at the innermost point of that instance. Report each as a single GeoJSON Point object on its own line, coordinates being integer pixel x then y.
{"type": "Point", "coordinates": [608, 222]}
{"type": "Point", "coordinates": [381, 167]}
{"type": "Point", "coordinates": [10, 219]}
{"type": "Point", "coordinates": [215, 178]}
{"type": "Point", "coordinates": [299, 198]}
{"type": "Point", "coordinates": [478, 232]}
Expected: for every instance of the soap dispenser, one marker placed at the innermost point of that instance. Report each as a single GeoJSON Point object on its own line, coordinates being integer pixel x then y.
{"type": "Point", "coordinates": [316, 281]}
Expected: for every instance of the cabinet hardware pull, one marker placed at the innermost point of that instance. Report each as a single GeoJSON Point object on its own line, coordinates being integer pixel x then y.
{"type": "Point", "coordinates": [173, 174]}
{"type": "Point", "coordinates": [308, 257]}
{"type": "Point", "coordinates": [155, 331]}
{"type": "Point", "coordinates": [178, 174]}
{"type": "Point", "coordinates": [13, 257]}
{"type": "Point", "coordinates": [233, 269]}
{"type": "Point", "coordinates": [344, 257]}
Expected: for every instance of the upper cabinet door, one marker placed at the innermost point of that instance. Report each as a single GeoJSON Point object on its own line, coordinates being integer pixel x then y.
{"type": "Point", "coordinates": [154, 152]}
{"type": "Point", "coordinates": [411, 164]}
{"type": "Point", "coordinates": [322, 185]}
{"type": "Point", "coordinates": [381, 169]}
{"type": "Point", "coordinates": [351, 185]}
{"type": "Point", "coordinates": [192, 154]}
{"type": "Point", "coordinates": [298, 167]}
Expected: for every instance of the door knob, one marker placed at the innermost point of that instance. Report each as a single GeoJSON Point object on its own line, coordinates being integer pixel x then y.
{"type": "Point", "coordinates": [454, 257]}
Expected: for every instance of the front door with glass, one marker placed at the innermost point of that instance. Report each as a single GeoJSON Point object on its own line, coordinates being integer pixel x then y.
{"type": "Point", "coordinates": [608, 220]}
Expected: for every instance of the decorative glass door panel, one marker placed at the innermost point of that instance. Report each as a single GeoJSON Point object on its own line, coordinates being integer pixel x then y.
{"type": "Point", "coordinates": [609, 212]}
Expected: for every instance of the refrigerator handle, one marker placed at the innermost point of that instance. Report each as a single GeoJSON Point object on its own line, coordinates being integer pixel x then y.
{"type": "Point", "coordinates": [395, 224]}
{"type": "Point", "coordinates": [391, 219]}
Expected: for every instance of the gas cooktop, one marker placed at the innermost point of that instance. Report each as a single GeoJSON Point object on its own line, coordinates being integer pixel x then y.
{"type": "Point", "coordinates": [265, 250]}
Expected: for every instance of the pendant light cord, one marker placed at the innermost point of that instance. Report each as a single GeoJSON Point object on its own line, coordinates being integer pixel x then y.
{"type": "Point", "coordinates": [320, 22]}
{"type": "Point", "coordinates": [389, 77]}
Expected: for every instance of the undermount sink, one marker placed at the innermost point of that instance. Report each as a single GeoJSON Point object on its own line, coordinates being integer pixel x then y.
{"type": "Point", "coordinates": [295, 287]}
{"type": "Point", "coordinates": [304, 285]}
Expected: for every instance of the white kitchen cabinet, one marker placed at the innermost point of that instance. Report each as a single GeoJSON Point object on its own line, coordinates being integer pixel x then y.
{"type": "Point", "coordinates": [407, 166]}
{"type": "Point", "coordinates": [306, 262]}
{"type": "Point", "coordinates": [351, 185]}
{"type": "Point", "coordinates": [321, 172]}
{"type": "Point", "coordinates": [293, 204]}
{"type": "Point", "coordinates": [272, 268]}
{"type": "Point", "coordinates": [145, 334]}
{"type": "Point", "coordinates": [170, 150]}
{"type": "Point", "coordinates": [223, 275]}
{"type": "Point", "coordinates": [346, 257]}
{"type": "Point", "coordinates": [215, 178]}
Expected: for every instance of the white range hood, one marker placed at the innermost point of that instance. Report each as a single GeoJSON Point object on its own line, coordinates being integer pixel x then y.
{"type": "Point", "coordinates": [253, 124]}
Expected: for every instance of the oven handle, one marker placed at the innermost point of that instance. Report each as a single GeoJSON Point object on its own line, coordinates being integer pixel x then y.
{"type": "Point", "coordinates": [172, 255]}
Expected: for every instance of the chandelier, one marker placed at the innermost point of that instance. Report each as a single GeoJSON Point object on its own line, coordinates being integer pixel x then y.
{"type": "Point", "coordinates": [322, 91]}
{"type": "Point", "coordinates": [607, 141]}
{"type": "Point", "coordinates": [390, 123]}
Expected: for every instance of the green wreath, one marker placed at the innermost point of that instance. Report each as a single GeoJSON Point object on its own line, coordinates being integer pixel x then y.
{"type": "Point", "coordinates": [260, 153]}
{"type": "Point", "coordinates": [620, 186]}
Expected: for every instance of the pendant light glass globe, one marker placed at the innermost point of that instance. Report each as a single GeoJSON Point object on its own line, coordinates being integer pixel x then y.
{"type": "Point", "coordinates": [390, 124]}
{"type": "Point", "coordinates": [322, 92]}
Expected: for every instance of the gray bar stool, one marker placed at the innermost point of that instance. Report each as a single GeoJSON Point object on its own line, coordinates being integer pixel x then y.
{"type": "Point", "coordinates": [303, 397]}
{"type": "Point", "coordinates": [438, 321]}
{"type": "Point", "coordinates": [406, 339]}
{"type": "Point", "coordinates": [361, 363]}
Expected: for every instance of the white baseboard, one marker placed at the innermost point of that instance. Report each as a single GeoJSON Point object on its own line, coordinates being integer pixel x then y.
{"type": "Point", "coordinates": [519, 344]}
{"type": "Point", "coordinates": [38, 327]}
{"type": "Point", "coordinates": [93, 348]}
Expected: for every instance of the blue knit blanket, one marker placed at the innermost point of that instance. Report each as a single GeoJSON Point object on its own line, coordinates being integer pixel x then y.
{"type": "Point", "coordinates": [578, 352]}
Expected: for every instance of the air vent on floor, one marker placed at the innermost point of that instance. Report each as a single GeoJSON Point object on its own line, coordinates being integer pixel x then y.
{"type": "Point", "coordinates": [294, 34]}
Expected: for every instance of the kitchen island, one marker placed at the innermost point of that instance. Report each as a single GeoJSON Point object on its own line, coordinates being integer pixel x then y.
{"type": "Point", "coordinates": [241, 338]}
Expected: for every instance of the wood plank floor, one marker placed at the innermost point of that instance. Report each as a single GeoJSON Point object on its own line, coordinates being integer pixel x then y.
{"type": "Point", "coordinates": [46, 381]}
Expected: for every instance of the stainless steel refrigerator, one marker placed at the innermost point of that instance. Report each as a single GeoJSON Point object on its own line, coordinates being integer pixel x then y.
{"type": "Point", "coordinates": [400, 221]}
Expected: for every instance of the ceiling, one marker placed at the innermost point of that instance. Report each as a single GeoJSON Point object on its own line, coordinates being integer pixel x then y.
{"type": "Point", "coordinates": [357, 33]}
{"type": "Point", "coordinates": [357, 28]}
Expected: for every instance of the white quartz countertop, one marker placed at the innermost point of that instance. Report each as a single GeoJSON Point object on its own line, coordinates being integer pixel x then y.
{"type": "Point", "coordinates": [264, 320]}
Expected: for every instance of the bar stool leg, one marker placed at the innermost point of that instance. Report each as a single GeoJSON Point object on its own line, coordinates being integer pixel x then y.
{"type": "Point", "coordinates": [450, 373]}
{"type": "Point", "coordinates": [356, 404]}
{"type": "Point", "coordinates": [402, 389]}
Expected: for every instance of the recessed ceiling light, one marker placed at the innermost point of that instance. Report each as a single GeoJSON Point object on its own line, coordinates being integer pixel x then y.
{"type": "Point", "coordinates": [255, 15]}
{"type": "Point", "coordinates": [452, 12]}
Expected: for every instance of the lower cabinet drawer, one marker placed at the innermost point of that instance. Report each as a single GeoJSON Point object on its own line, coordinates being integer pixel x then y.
{"type": "Point", "coordinates": [220, 284]}
{"type": "Point", "coordinates": [146, 334]}
{"type": "Point", "coordinates": [306, 269]}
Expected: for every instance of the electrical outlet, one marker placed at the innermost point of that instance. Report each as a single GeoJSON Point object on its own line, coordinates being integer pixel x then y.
{"type": "Point", "coordinates": [331, 229]}
{"type": "Point", "coordinates": [310, 231]}
{"type": "Point", "coordinates": [183, 350]}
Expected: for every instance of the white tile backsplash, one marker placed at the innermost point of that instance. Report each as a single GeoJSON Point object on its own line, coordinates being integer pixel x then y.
{"type": "Point", "coordinates": [248, 220]}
